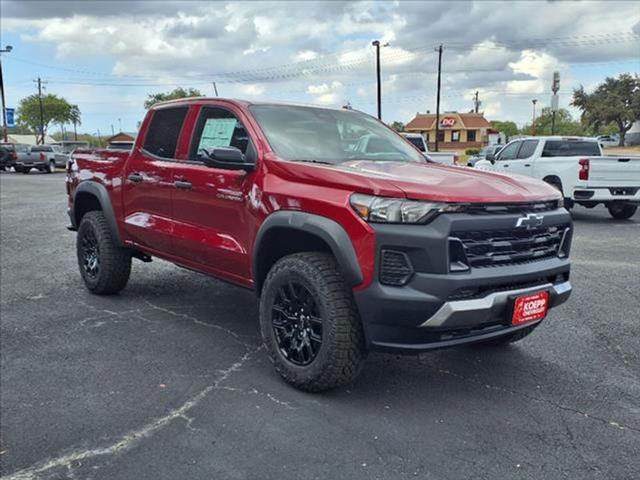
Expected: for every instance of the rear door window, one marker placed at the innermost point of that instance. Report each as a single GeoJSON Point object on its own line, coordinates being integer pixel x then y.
{"type": "Point", "coordinates": [163, 133]}
{"type": "Point", "coordinates": [570, 148]}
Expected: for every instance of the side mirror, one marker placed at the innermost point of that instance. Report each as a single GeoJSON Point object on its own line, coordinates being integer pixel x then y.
{"type": "Point", "coordinates": [229, 158]}
{"type": "Point", "coordinates": [491, 157]}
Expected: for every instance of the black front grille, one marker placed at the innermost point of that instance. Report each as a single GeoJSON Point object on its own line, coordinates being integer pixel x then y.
{"type": "Point", "coordinates": [488, 248]}
{"type": "Point", "coordinates": [496, 208]}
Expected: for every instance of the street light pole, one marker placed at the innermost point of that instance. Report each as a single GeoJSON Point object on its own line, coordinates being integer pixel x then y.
{"type": "Point", "coordinates": [6, 49]}
{"type": "Point", "coordinates": [439, 50]}
{"type": "Point", "coordinates": [376, 43]}
{"type": "Point", "coordinates": [533, 122]}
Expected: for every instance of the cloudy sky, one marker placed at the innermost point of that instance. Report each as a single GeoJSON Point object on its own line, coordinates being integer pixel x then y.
{"type": "Point", "coordinates": [107, 56]}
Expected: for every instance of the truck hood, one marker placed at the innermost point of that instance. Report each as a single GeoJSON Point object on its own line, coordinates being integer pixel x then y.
{"type": "Point", "coordinates": [423, 181]}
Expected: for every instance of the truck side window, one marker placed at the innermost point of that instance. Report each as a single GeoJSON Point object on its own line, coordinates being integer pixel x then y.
{"type": "Point", "coordinates": [509, 152]}
{"type": "Point", "coordinates": [164, 130]}
{"type": "Point", "coordinates": [217, 127]}
{"type": "Point", "coordinates": [528, 148]}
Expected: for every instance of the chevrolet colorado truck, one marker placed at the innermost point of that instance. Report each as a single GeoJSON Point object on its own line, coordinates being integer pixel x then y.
{"type": "Point", "coordinates": [577, 168]}
{"type": "Point", "coordinates": [348, 250]}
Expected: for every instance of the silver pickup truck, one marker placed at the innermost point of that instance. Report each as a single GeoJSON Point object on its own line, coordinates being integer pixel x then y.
{"type": "Point", "coordinates": [41, 157]}
{"type": "Point", "coordinates": [417, 140]}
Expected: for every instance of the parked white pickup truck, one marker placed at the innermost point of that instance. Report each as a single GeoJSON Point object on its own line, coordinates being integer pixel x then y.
{"type": "Point", "coordinates": [576, 167]}
{"type": "Point", "coordinates": [448, 158]}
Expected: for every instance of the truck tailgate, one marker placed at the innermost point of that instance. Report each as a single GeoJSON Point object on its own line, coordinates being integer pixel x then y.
{"type": "Point", "coordinates": [614, 171]}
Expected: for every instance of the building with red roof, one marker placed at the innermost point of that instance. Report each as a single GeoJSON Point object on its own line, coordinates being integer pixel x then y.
{"type": "Point", "coordinates": [457, 130]}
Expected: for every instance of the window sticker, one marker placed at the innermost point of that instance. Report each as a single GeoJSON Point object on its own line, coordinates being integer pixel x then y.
{"type": "Point", "coordinates": [217, 132]}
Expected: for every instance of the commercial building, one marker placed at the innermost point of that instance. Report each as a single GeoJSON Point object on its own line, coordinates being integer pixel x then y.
{"type": "Point", "coordinates": [457, 131]}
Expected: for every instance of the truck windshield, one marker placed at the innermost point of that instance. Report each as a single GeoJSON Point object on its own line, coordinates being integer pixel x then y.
{"type": "Point", "coordinates": [570, 148]}
{"type": "Point", "coordinates": [330, 136]}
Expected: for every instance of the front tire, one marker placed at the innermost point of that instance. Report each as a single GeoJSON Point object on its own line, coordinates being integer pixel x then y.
{"type": "Point", "coordinates": [104, 266]}
{"type": "Point", "coordinates": [309, 323]}
{"type": "Point", "coordinates": [622, 211]}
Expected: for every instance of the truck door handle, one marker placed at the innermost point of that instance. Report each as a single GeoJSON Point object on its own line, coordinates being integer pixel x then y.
{"type": "Point", "coordinates": [505, 165]}
{"type": "Point", "coordinates": [527, 164]}
{"type": "Point", "coordinates": [135, 177]}
{"type": "Point", "coordinates": [182, 184]}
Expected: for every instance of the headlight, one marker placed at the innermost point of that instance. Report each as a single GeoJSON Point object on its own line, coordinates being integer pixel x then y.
{"type": "Point", "coordinates": [398, 210]}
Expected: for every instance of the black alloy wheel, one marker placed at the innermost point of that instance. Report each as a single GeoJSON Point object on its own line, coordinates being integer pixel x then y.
{"type": "Point", "coordinates": [296, 323]}
{"type": "Point", "coordinates": [90, 253]}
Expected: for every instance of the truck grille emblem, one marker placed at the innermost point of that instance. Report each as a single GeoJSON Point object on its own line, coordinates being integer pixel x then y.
{"type": "Point", "coordinates": [530, 221]}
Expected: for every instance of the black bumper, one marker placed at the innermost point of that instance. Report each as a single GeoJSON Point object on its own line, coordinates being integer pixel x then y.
{"type": "Point", "coordinates": [440, 308]}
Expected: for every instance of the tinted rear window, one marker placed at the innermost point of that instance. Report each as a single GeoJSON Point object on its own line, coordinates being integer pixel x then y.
{"type": "Point", "coordinates": [41, 149]}
{"type": "Point", "coordinates": [570, 148]}
{"type": "Point", "coordinates": [417, 142]}
{"type": "Point", "coordinates": [164, 130]}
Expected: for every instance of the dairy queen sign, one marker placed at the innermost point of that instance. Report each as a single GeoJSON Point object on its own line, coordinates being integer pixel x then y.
{"type": "Point", "coordinates": [447, 122]}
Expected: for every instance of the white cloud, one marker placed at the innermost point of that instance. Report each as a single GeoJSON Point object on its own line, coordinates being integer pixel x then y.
{"type": "Point", "coordinates": [489, 46]}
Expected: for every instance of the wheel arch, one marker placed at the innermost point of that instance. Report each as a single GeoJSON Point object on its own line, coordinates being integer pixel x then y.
{"type": "Point", "coordinates": [90, 196]}
{"type": "Point", "coordinates": [287, 232]}
{"type": "Point", "coordinates": [554, 180]}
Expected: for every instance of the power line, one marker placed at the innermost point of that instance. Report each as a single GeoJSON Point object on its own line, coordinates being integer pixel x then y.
{"type": "Point", "coordinates": [322, 64]}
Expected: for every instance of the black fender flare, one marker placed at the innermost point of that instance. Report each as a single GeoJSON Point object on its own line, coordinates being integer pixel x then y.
{"type": "Point", "coordinates": [330, 231]}
{"type": "Point", "coordinates": [100, 192]}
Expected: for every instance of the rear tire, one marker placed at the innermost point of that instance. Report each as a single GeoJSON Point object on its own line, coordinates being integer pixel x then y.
{"type": "Point", "coordinates": [104, 266]}
{"type": "Point", "coordinates": [507, 339]}
{"type": "Point", "coordinates": [319, 348]}
{"type": "Point", "coordinates": [622, 211]}
{"type": "Point", "coordinates": [52, 167]}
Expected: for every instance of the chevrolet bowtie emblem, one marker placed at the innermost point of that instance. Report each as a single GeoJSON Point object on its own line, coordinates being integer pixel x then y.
{"type": "Point", "coordinates": [530, 221]}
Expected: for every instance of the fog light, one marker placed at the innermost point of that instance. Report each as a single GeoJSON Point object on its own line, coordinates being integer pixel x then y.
{"type": "Point", "coordinates": [395, 268]}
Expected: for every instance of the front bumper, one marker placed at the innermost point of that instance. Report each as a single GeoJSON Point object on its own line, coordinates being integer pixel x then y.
{"type": "Point", "coordinates": [439, 308]}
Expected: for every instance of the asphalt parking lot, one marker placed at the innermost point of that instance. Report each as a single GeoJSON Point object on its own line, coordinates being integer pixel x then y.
{"type": "Point", "coordinates": [168, 381]}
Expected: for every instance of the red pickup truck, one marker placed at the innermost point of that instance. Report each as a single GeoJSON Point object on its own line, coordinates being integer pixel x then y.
{"type": "Point", "coordinates": [351, 239]}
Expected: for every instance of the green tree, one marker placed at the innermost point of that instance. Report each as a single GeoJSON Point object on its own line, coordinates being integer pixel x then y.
{"type": "Point", "coordinates": [565, 124]}
{"type": "Point", "coordinates": [617, 101]}
{"type": "Point", "coordinates": [397, 126]}
{"type": "Point", "coordinates": [54, 110]}
{"type": "Point", "coordinates": [179, 92]}
{"type": "Point", "coordinates": [508, 128]}
{"type": "Point", "coordinates": [76, 119]}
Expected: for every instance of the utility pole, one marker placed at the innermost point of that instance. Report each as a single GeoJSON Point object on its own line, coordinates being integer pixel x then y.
{"type": "Point", "coordinates": [376, 43]}
{"type": "Point", "coordinates": [533, 123]}
{"type": "Point", "coordinates": [555, 86]}
{"type": "Point", "coordinates": [476, 102]}
{"type": "Point", "coordinates": [6, 49]}
{"type": "Point", "coordinates": [215, 89]}
{"type": "Point", "coordinates": [40, 83]}
{"type": "Point", "coordinates": [113, 132]}
{"type": "Point", "coordinates": [439, 50]}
